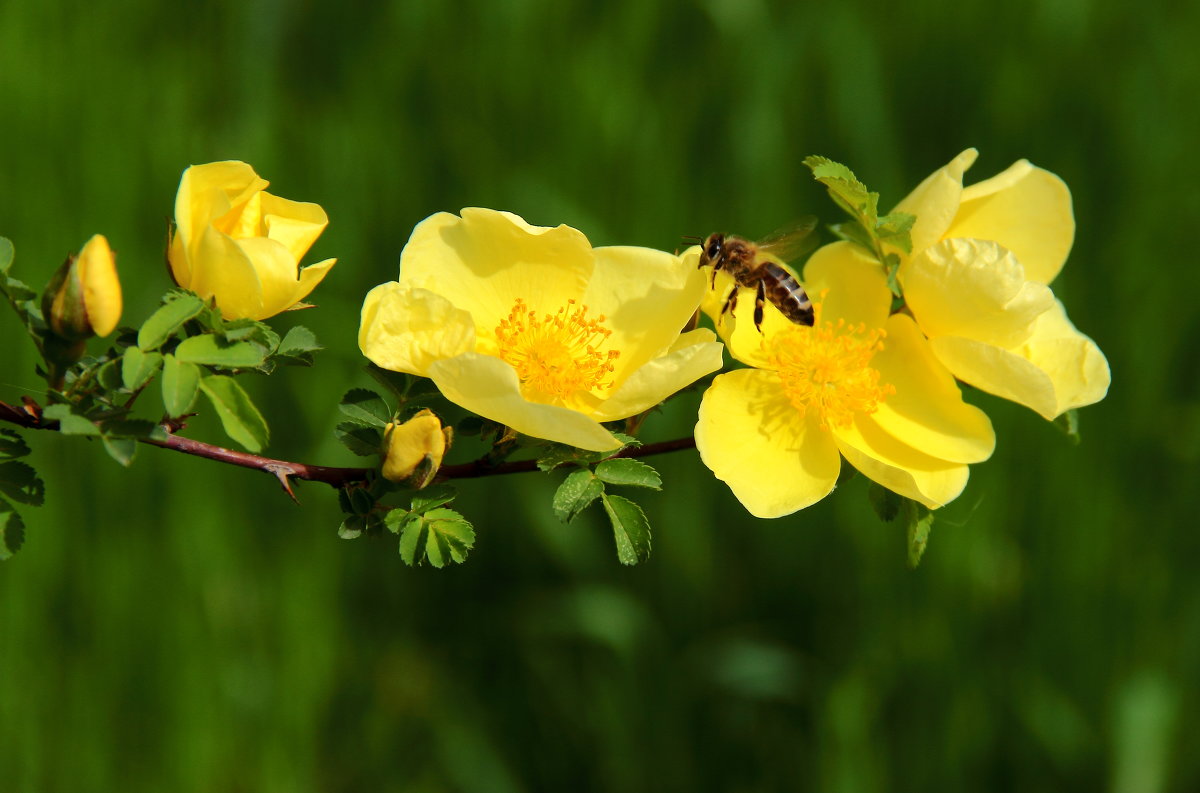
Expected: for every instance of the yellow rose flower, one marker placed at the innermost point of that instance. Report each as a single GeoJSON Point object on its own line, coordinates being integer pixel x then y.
{"type": "Point", "coordinates": [240, 245]}
{"type": "Point", "coordinates": [415, 447]}
{"type": "Point", "coordinates": [84, 297]}
{"type": "Point", "coordinates": [977, 284]}
{"type": "Point", "coordinates": [532, 327]}
{"type": "Point", "coordinates": [858, 384]}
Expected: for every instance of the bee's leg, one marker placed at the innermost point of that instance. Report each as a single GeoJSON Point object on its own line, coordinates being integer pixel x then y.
{"type": "Point", "coordinates": [712, 282]}
{"type": "Point", "coordinates": [759, 298]}
{"type": "Point", "coordinates": [730, 302]}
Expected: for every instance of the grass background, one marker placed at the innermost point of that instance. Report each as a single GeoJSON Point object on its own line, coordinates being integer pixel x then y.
{"type": "Point", "coordinates": [181, 626]}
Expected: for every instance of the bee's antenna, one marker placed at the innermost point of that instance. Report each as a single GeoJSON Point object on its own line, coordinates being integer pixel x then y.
{"type": "Point", "coordinates": [691, 238]}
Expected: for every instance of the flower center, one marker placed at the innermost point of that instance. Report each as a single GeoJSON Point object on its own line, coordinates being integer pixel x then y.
{"type": "Point", "coordinates": [826, 369]}
{"type": "Point", "coordinates": [557, 354]}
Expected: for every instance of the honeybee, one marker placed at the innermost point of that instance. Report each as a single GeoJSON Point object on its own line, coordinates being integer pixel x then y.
{"type": "Point", "coordinates": [755, 265]}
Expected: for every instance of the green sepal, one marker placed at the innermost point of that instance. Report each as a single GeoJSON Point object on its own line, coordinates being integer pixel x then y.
{"type": "Point", "coordinates": [209, 350]}
{"type": "Point", "coordinates": [576, 493]}
{"type": "Point", "coordinates": [631, 530]}
{"type": "Point", "coordinates": [69, 422]}
{"type": "Point", "coordinates": [361, 440]}
{"type": "Point", "coordinates": [438, 536]}
{"type": "Point", "coordinates": [886, 504]}
{"type": "Point", "coordinates": [364, 406]}
{"type": "Point", "coordinates": [1068, 424]}
{"type": "Point", "coordinates": [12, 528]}
{"type": "Point", "coordinates": [20, 482]}
{"type": "Point", "coordinates": [179, 308]}
{"type": "Point", "coordinates": [180, 385]}
{"type": "Point", "coordinates": [138, 367]}
{"type": "Point", "coordinates": [623, 471]}
{"type": "Point", "coordinates": [12, 445]}
{"type": "Point", "coordinates": [237, 412]}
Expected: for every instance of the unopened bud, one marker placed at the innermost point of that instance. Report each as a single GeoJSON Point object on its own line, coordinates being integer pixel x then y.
{"type": "Point", "coordinates": [83, 298]}
{"type": "Point", "coordinates": [415, 449]}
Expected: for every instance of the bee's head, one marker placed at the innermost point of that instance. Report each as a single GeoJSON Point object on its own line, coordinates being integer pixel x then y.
{"type": "Point", "coordinates": [713, 246]}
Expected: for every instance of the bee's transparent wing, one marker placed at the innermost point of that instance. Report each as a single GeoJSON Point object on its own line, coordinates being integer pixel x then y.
{"type": "Point", "coordinates": [793, 241]}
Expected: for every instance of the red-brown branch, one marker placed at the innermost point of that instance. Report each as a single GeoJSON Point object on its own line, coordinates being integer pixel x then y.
{"type": "Point", "coordinates": [30, 416]}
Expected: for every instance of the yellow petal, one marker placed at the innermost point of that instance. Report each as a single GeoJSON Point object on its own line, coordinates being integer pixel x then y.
{"type": "Point", "coordinates": [209, 191]}
{"type": "Point", "coordinates": [101, 287]}
{"type": "Point", "coordinates": [935, 201]}
{"type": "Point", "coordinates": [221, 269]}
{"type": "Point", "coordinates": [696, 354]}
{"type": "Point", "coordinates": [850, 284]}
{"type": "Point", "coordinates": [277, 275]}
{"type": "Point", "coordinates": [899, 467]}
{"type": "Point", "coordinates": [751, 437]}
{"type": "Point", "coordinates": [1028, 211]}
{"type": "Point", "coordinates": [489, 387]}
{"type": "Point", "coordinates": [974, 289]}
{"type": "Point", "coordinates": [310, 276]}
{"type": "Point", "coordinates": [406, 330]}
{"type": "Point", "coordinates": [485, 260]}
{"type": "Point", "coordinates": [295, 224]}
{"type": "Point", "coordinates": [927, 411]}
{"type": "Point", "coordinates": [1057, 369]}
{"type": "Point", "coordinates": [647, 297]}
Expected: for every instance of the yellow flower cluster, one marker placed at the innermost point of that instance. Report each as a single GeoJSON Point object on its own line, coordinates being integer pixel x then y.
{"type": "Point", "coordinates": [534, 328]}
{"type": "Point", "coordinates": [879, 388]}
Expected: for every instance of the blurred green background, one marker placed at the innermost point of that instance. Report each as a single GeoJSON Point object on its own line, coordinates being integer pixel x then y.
{"type": "Point", "coordinates": [182, 626]}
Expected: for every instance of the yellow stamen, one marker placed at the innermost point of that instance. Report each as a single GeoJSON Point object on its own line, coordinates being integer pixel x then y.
{"type": "Point", "coordinates": [556, 355]}
{"type": "Point", "coordinates": [826, 369]}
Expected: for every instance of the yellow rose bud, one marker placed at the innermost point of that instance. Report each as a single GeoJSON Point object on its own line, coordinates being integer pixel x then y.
{"type": "Point", "coordinates": [242, 246]}
{"type": "Point", "coordinates": [83, 298]}
{"type": "Point", "coordinates": [415, 449]}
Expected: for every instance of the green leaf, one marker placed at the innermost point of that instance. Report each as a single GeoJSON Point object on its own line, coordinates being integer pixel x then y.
{"type": "Point", "coordinates": [110, 376]}
{"type": "Point", "coordinates": [920, 521]}
{"type": "Point", "coordinates": [168, 319]}
{"type": "Point", "coordinates": [885, 503]}
{"type": "Point", "coordinates": [1068, 423]}
{"type": "Point", "coordinates": [576, 492]}
{"type": "Point", "coordinates": [439, 536]}
{"type": "Point", "coordinates": [396, 382]}
{"type": "Point", "coordinates": [895, 229]}
{"type": "Point", "coordinates": [21, 483]}
{"type": "Point", "coordinates": [238, 415]}
{"type": "Point", "coordinates": [623, 471]}
{"type": "Point", "coordinates": [364, 406]}
{"type": "Point", "coordinates": [250, 330]}
{"type": "Point", "coordinates": [631, 530]}
{"type": "Point", "coordinates": [351, 527]}
{"type": "Point", "coordinates": [12, 445]}
{"type": "Point", "coordinates": [299, 344]}
{"type": "Point", "coordinates": [852, 231]}
{"type": "Point", "coordinates": [845, 189]}
{"type": "Point", "coordinates": [209, 350]}
{"type": "Point", "coordinates": [137, 367]}
{"type": "Point", "coordinates": [12, 529]}
{"type": "Point", "coordinates": [6, 255]}
{"type": "Point", "coordinates": [431, 497]}
{"type": "Point", "coordinates": [120, 448]}
{"type": "Point", "coordinates": [180, 384]}
{"type": "Point", "coordinates": [363, 441]}
{"type": "Point", "coordinates": [70, 423]}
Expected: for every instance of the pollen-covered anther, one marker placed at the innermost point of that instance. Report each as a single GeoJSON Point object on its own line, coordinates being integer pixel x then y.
{"type": "Point", "coordinates": [556, 355]}
{"type": "Point", "coordinates": [827, 369]}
